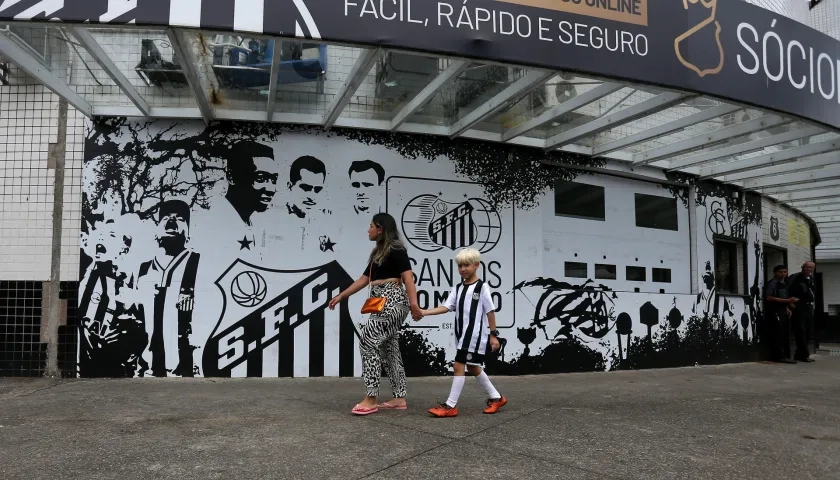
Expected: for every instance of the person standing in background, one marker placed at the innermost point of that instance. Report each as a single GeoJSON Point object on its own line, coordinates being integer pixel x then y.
{"type": "Point", "coordinates": [803, 286]}
{"type": "Point", "coordinates": [777, 310]}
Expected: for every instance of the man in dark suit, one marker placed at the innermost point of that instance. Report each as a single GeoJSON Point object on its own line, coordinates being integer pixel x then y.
{"type": "Point", "coordinates": [803, 286]}
{"type": "Point", "coordinates": [777, 302]}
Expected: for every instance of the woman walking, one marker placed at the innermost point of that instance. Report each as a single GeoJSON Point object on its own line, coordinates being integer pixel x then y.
{"type": "Point", "coordinates": [388, 268]}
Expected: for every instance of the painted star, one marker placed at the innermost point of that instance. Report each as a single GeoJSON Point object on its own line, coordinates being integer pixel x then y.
{"type": "Point", "coordinates": [328, 245]}
{"type": "Point", "coordinates": [244, 243]}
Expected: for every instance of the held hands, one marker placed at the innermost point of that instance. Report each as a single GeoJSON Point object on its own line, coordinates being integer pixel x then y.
{"type": "Point", "coordinates": [416, 313]}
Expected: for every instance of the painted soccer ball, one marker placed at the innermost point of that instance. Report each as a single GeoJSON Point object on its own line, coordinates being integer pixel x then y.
{"type": "Point", "coordinates": [488, 225]}
{"type": "Point", "coordinates": [248, 289]}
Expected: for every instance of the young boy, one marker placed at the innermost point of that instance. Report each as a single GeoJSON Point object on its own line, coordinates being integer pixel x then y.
{"type": "Point", "coordinates": [475, 333]}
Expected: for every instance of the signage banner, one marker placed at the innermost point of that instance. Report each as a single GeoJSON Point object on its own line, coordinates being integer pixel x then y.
{"type": "Point", "coordinates": [725, 48]}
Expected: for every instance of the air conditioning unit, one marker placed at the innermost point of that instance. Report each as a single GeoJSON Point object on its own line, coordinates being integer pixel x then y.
{"type": "Point", "coordinates": [399, 75]}
{"type": "Point", "coordinates": [554, 92]}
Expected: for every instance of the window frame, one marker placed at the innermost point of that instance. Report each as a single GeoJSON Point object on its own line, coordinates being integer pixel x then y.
{"type": "Point", "coordinates": [670, 275]}
{"type": "Point", "coordinates": [566, 269]}
{"type": "Point", "coordinates": [581, 217]}
{"type": "Point", "coordinates": [643, 269]}
{"type": "Point", "coordinates": [614, 267]}
{"type": "Point", "coordinates": [744, 281]}
{"type": "Point", "coordinates": [768, 269]}
{"type": "Point", "coordinates": [636, 196]}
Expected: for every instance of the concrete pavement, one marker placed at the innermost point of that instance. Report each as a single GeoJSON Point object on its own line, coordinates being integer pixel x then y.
{"type": "Point", "coordinates": [740, 421]}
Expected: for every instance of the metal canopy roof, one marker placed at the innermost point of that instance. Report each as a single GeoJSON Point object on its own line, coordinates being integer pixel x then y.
{"type": "Point", "coordinates": [199, 74]}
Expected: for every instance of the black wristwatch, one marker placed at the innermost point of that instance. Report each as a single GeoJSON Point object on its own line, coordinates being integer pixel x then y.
{"type": "Point", "coordinates": [495, 333]}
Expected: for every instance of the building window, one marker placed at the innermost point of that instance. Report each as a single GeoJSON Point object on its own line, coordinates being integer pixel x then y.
{"type": "Point", "coordinates": [579, 200]}
{"type": "Point", "coordinates": [656, 212]}
{"type": "Point", "coordinates": [662, 275]}
{"type": "Point", "coordinates": [773, 256]}
{"type": "Point", "coordinates": [636, 274]}
{"type": "Point", "coordinates": [605, 272]}
{"type": "Point", "coordinates": [575, 270]}
{"type": "Point", "coordinates": [730, 267]}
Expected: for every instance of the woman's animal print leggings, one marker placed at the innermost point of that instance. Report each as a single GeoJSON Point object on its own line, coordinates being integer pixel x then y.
{"type": "Point", "coordinates": [380, 340]}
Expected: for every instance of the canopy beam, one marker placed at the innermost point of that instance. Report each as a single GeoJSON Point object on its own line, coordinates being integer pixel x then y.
{"type": "Point", "coordinates": [513, 92]}
{"type": "Point", "coordinates": [570, 105]}
{"type": "Point", "coordinates": [454, 70]}
{"type": "Point", "coordinates": [84, 37]}
{"type": "Point", "coordinates": [705, 139]}
{"type": "Point", "coordinates": [188, 63]}
{"type": "Point", "coordinates": [39, 72]}
{"type": "Point", "coordinates": [769, 159]}
{"type": "Point", "coordinates": [740, 149]}
{"type": "Point", "coordinates": [606, 122]}
{"type": "Point", "coordinates": [367, 58]}
{"type": "Point", "coordinates": [666, 128]}
{"type": "Point", "coordinates": [272, 79]}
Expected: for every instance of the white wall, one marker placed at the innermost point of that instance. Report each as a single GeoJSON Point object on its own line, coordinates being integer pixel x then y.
{"type": "Point", "coordinates": [525, 249]}
{"type": "Point", "coordinates": [793, 232]}
{"type": "Point", "coordinates": [617, 240]}
{"type": "Point", "coordinates": [831, 282]}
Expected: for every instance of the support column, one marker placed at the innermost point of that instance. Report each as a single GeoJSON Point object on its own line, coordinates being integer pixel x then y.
{"type": "Point", "coordinates": [692, 237]}
{"type": "Point", "coordinates": [57, 155]}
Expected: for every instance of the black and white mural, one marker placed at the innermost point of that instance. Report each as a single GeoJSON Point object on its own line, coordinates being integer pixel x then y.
{"type": "Point", "coordinates": [214, 251]}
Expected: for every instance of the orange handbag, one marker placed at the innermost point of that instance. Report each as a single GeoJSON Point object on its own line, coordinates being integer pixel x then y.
{"type": "Point", "coordinates": [372, 304]}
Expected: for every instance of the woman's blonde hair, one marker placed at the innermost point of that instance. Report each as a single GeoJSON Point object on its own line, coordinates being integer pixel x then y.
{"type": "Point", "coordinates": [388, 241]}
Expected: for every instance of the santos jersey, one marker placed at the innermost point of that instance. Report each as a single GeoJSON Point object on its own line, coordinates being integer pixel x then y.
{"type": "Point", "coordinates": [471, 304]}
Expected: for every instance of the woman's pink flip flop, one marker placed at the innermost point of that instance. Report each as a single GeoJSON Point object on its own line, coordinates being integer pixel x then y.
{"type": "Point", "coordinates": [388, 406]}
{"type": "Point", "coordinates": [360, 410]}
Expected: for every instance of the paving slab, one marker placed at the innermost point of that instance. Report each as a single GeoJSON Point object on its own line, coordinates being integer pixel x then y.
{"type": "Point", "coordinates": [744, 421]}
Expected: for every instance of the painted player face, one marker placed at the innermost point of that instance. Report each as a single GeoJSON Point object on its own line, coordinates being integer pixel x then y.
{"type": "Point", "coordinates": [467, 270]}
{"type": "Point", "coordinates": [265, 182]}
{"type": "Point", "coordinates": [364, 185]}
{"type": "Point", "coordinates": [173, 232]}
{"type": "Point", "coordinates": [108, 244]}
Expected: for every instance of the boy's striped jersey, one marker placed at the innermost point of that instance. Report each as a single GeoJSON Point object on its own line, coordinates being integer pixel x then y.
{"type": "Point", "coordinates": [471, 304]}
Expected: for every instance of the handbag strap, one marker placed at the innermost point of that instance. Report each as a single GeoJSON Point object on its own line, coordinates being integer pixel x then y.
{"type": "Point", "coordinates": [370, 277]}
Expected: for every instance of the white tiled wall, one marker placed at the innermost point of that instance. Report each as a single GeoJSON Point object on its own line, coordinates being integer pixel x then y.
{"type": "Point", "coordinates": [72, 214]}
{"type": "Point", "coordinates": [825, 17]}
{"type": "Point", "coordinates": [831, 279]}
{"type": "Point", "coordinates": [795, 9]}
{"type": "Point", "coordinates": [798, 246]}
{"type": "Point", "coordinates": [28, 125]}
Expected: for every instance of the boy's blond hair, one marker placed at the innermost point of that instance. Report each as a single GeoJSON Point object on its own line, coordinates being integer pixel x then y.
{"type": "Point", "coordinates": [468, 256]}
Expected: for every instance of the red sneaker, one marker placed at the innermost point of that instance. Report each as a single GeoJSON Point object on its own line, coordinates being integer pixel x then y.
{"type": "Point", "coordinates": [494, 404]}
{"type": "Point", "coordinates": [444, 410]}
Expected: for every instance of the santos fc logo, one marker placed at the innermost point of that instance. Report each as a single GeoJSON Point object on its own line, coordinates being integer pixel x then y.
{"type": "Point", "coordinates": [431, 224]}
